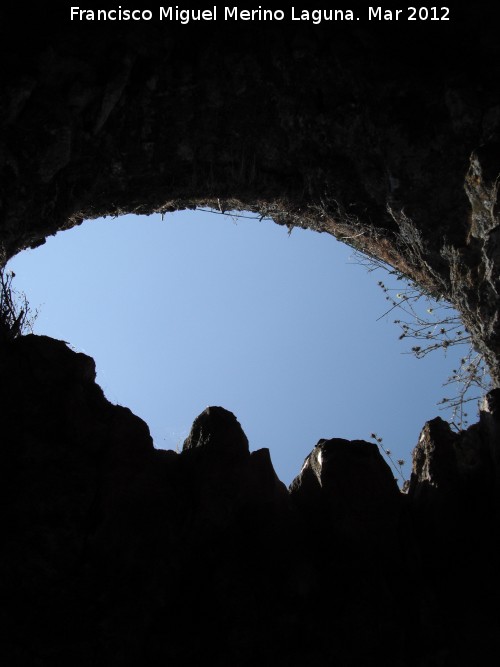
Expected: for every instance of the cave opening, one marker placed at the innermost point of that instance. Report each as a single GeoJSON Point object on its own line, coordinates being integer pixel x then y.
{"type": "Point", "coordinates": [116, 554]}
{"type": "Point", "coordinates": [193, 309]}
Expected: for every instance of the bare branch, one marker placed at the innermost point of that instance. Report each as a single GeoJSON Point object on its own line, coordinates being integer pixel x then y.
{"type": "Point", "coordinates": [435, 325]}
{"type": "Point", "coordinates": [16, 316]}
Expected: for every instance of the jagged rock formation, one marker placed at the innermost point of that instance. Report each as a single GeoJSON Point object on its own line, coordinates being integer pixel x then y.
{"type": "Point", "coordinates": [120, 554]}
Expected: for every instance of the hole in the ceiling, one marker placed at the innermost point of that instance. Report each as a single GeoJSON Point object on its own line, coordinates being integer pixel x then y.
{"type": "Point", "coordinates": [198, 310]}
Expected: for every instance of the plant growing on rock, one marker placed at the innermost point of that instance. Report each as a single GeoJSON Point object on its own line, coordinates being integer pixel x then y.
{"type": "Point", "coordinates": [397, 465]}
{"type": "Point", "coordinates": [16, 316]}
{"type": "Point", "coordinates": [433, 325]}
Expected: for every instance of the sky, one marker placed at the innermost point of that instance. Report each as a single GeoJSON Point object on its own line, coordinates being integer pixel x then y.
{"type": "Point", "coordinates": [199, 309]}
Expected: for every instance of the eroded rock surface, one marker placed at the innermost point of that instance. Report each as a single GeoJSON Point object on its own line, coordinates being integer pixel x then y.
{"type": "Point", "coordinates": [119, 554]}
{"type": "Point", "coordinates": [371, 136]}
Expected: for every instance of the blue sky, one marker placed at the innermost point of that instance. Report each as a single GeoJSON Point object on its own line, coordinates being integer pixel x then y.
{"type": "Point", "coordinates": [201, 309]}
